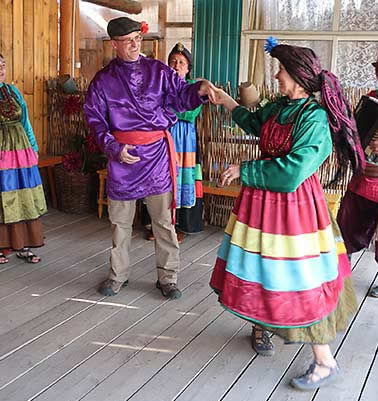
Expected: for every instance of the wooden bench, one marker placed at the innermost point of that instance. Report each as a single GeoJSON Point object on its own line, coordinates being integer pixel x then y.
{"type": "Point", "coordinates": [47, 161]}
{"type": "Point", "coordinates": [210, 188]}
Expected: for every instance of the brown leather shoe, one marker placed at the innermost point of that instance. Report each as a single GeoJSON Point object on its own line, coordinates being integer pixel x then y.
{"type": "Point", "coordinates": [169, 290]}
{"type": "Point", "coordinates": [111, 287]}
{"type": "Point", "coordinates": [180, 237]}
{"type": "Point", "coordinates": [150, 235]}
{"type": "Point", "coordinates": [261, 342]}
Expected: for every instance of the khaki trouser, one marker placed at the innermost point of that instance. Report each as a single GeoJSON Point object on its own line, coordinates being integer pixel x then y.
{"type": "Point", "coordinates": [121, 214]}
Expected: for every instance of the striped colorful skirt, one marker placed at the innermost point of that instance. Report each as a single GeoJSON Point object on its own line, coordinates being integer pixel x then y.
{"type": "Point", "coordinates": [282, 264]}
{"type": "Point", "coordinates": [22, 196]}
{"type": "Point", "coordinates": [184, 136]}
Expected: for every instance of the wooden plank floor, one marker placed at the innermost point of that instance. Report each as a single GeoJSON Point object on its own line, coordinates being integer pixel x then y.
{"type": "Point", "coordinates": [60, 340]}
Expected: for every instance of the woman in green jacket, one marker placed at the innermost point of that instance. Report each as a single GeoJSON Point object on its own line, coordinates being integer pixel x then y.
{"type": "Point", "coordinates": [282, 264]}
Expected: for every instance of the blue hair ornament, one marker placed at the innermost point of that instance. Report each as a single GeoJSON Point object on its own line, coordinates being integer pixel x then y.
{"type": "Point", "coordinates": [270, 43]}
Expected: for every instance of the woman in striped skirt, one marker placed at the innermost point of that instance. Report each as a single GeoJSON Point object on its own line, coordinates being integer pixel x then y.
{"type": "Point", "coordinates": [21, 192]}
{"type": "Point", "coordinates": [282, 264]}
{"type": "Point", "coordinates": [189, 180]}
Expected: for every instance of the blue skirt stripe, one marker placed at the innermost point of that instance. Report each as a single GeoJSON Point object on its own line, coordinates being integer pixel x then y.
{"type": "Point", "coordinates": [186, 196]}
{"type": "Point", "coordinates": [279, 274]}
{"type": "Point", "coordinates": [21, 178]}
{"type": "Point", "coordinates": [184, 136]}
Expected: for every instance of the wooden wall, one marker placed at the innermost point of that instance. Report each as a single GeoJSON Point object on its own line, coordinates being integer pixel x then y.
{"type": "Point", "coordinates": [29, 43]}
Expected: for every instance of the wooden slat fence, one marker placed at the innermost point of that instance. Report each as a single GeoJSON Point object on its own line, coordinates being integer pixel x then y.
{"type": "Point", "coordinates": [29, 43]}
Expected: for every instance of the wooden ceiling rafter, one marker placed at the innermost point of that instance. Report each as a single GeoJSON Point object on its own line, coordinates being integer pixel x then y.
{"type": "Point", "coordinates": [126, 6]}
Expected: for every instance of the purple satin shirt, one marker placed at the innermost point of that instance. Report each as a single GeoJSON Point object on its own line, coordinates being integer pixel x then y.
{"type": "Point", "coordinates": [137, 96]}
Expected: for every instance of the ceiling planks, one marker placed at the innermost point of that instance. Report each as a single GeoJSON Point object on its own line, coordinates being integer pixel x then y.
{"type": "Point", "coordinates": [127, 6]}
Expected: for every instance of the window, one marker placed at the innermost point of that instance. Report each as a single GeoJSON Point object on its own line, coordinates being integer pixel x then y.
{"type": "Point", "coordinates": [179, 25]}
{"type": "Point", "coordinates": [343, 33]}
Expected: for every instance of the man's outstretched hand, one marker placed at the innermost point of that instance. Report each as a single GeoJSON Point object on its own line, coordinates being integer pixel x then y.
{"type": "Point", "coordinates": [207, 89]}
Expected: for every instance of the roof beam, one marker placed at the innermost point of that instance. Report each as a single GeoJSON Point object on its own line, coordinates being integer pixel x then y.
{"type": "Point", "coordinates": [127, 6]}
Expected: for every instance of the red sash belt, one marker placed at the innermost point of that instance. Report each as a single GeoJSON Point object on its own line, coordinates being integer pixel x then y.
{"type": "Point", "coordinates": [146, 138]}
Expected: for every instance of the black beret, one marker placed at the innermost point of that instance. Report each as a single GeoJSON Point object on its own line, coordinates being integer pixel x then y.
{"type": "Point", "coordinates": [181, 49]}
{"type": "Point", "coordinates": [122, 26]}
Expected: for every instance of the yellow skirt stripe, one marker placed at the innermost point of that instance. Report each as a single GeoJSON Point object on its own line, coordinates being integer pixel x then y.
{"type": "Point", "coordinates": [280, 246]}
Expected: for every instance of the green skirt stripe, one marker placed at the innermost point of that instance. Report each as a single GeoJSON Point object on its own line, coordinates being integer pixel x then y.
{"type": "Point", "coordinates": [198, 173]}
{"type": "Point", "coordinates": [185, 176]}
{"type": "Point", "coordinates": [21, 205]}
{"type": "Point", "coordinates": [13, 137]}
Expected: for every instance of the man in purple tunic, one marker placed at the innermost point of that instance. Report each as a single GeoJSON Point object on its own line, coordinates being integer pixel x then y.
{"type": "Point", "coordinates": [129, 107]}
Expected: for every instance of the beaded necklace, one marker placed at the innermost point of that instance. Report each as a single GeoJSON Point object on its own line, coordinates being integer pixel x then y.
{"type": "Point", "coordinates": [8, 107]}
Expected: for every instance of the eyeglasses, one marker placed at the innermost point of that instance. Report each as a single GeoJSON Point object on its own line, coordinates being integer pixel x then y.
{"type": "Point", "coordinates": [3, 66]}
{"type": "Point", "coordinates": [136, 39]}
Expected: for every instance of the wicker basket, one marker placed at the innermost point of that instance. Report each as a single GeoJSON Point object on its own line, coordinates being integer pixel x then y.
{"type": "Point", "coordinates": [76, 192]}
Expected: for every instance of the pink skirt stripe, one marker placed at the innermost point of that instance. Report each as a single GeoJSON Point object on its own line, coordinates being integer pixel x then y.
{"type": "Point", "coordinates": [275, 308]}
{"type": "Point", "coordinates": [293, 213]}
{"type": "Point", "coordinates": [14, 159]}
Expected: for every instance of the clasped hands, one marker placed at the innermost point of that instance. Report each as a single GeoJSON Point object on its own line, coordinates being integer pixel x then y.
{"type": "Point", "coordinates": [217, 95]}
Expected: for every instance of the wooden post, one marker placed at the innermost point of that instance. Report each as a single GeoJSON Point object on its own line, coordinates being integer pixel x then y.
{"type": "Point", "coordinates": [163, 33]}
{"type": "Point", "coordinates": [77, 39]}
{"type": "Point", "coordinates": [18, 44]}
{"type": "Point", "coordinates": [29, 55]}
{"type": "Point", "coordinates": [66, 45]}
{"type": "Point", "coordinates": [108, 52]}
{"type": "Point", "coordinates": [6, 37]}
{"type": "Point", "coordinates": [99, 54]}
{"type": "Point", "coordinates": [53, 42]}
